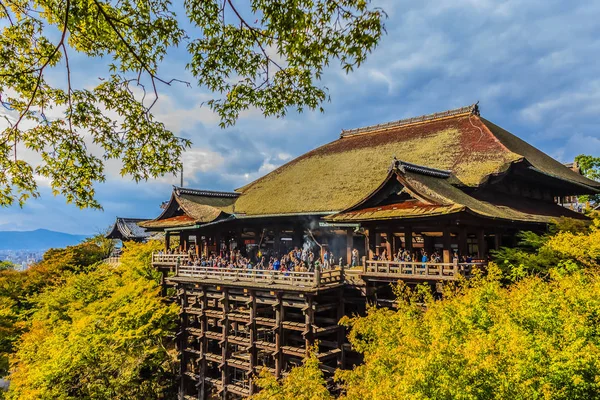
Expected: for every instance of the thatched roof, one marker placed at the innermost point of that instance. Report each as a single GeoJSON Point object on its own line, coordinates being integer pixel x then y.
{"type": "Point", "coordinates": [339, 174]}
{"type": "Point", "coordinates": [189, 207]}
{"type": "Point", "coordinates": [128, 229]}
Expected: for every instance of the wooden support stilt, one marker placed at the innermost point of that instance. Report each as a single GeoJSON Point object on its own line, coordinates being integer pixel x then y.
{"type": "Point", "coordinates": [224, 344]}
{"type": "Point", "coordinates": [279, 315]}
{"type": "Point", "coordinates": [203, 348]}
{"type": "Point", "coordinates": [252, 350]}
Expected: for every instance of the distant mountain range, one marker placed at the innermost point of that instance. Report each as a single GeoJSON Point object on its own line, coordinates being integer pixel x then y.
{"type": "Point", "coordinates": [40, 239]}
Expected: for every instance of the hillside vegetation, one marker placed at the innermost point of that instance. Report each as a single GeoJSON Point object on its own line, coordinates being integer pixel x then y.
{"type": "Point", "coordinates": [72, 327]}
{"type": "Point", "coordinates": [528, 329]}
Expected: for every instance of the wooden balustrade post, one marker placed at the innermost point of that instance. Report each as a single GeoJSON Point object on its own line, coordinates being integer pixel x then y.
{"type": "Point", "coordinates": [364, 263]}
{"type": "Point", "coordinates": [317, 276]}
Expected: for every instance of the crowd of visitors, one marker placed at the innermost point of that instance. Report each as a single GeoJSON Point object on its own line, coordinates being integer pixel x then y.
{"type": "Point", "coordinates": [299, 260]}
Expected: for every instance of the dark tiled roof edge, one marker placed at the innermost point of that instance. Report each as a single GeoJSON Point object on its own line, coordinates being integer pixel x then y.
{"type": "Point", "coordinates": [420, 169]}
{"type": "Point", "coordinates": [207, 193]}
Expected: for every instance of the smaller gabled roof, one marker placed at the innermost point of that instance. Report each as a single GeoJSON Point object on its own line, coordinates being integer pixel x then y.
{"type": "Point", "coordinates": [128, 229]}
{"type": "Point", "coordinates": [432, 193]}
{"type": "Point", "coordinates": [192, 206]}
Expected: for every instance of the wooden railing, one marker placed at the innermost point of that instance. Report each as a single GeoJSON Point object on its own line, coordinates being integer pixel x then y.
{"type": "Point", "coordinates": [112, 260]}
{"type": "Point", "coordinates": [267, 277]}
{"type": "Point", "coordinates": [420, 270]}
{"type": "Point", "coordinates": [169, 259]}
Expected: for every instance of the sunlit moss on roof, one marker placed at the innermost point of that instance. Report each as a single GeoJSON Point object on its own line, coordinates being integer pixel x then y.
{"type": "Point", "coordinates": [338, 174]}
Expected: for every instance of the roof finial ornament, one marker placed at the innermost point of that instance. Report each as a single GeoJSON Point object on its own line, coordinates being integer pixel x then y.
{"type": "Point", "coordinates": [396, 164]}
{"type": "Point", "coordinates": [475, 110]}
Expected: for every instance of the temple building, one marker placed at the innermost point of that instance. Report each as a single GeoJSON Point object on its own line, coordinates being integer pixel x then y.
{"type": "Point", "coordinates": [451, 183]}
{"type": "Point", "coordinates": [126, 229]}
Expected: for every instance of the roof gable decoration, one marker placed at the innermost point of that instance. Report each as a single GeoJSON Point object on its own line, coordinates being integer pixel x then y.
{"type": "Point", "coordinates": [191, 206]}
{"type": "Point", "coordinates": [402, 184]}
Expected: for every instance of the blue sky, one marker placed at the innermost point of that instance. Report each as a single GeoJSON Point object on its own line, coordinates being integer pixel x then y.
{"type": "Point", "coordinates": [533, 65]}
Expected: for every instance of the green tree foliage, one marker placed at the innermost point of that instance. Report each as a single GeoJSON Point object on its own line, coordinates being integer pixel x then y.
{"type": "Point", "coordinates": [264, 54]}
{"type": "Point", "coordinates": [100, 335]}
{"type": "Point", "coordinates": [568, 244]}
{"type": "Point", "coordinates": [302, 383]}
{"type": "Point", "coordinates": [537, 339]}
{"type": "Point", "coordinates": [6, 265]}
{"type": "Point", "coordinates": [590, 167]}
{"type": "Point", "coordinates": [19, 289]}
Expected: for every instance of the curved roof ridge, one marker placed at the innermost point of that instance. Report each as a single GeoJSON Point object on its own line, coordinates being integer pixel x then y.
{"type": "Point", "coordinates": [472, 109]}
{"type": "Point", "coordinates": [206, 193]}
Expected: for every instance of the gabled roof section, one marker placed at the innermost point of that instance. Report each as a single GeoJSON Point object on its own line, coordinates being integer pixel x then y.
{"type": "Point", "coordinates": [537, 158]}
{"type": "Point", "coordinates": [432, 194]}
{"type": "Point", "coordinates": [128, 229]}
{"type": "Point", "coordinates": [191, 206]}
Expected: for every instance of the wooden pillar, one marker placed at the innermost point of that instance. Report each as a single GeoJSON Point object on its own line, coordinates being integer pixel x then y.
{"type": "Point", "coordinates": [217, 239]}
{"type": "Point", "coordinates": [167, 240]}
{"type": "Point", "coordinates": [298, 238]}
{"type": "Point", "coordinates": [408, 238]}
{"type": "Point", "coordinates": [183, 342]}
{"type": "Point", "coordinates": [447, 254]}
{"type": "Point", "coordinates": [277, 241]}
{"type": "Point", "coordinates": [463, 247]}
{"type": "Point", "coordinates": [224, 345]}
{"type": "Point", "coordinates": [349, 246]}
{"type": "Point", "coordinates": [252, 326]}
{"type": "Point", "coordinates": [482, 251]}
{"type": "Point", "coordinates": [203, 348]}
{"type": "Point", "coordinates": [389, 235]}
{"type": "Point", "coordinates": [341, 334]}
{"type": "Point", "coordinates": [497, 240]}
{"type": "Point", "coordinates": [371, 241]}
{"type": "Point", "coordinates": [309, 320]}
{"type": "Point", "coordinates": [279, 315]}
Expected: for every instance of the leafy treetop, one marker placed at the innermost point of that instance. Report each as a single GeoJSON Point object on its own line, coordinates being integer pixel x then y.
{"type": "Point", "coordinates": [267, 54]}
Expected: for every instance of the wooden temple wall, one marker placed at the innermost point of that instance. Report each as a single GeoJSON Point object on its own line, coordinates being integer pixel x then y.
{"type": "Point", "coordinates": [229, 334]}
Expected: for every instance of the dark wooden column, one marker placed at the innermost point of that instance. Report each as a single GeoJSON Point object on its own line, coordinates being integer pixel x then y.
{"type": "Point", "coordinates": [309, 320]}
{"type": "Point", "coordinates": [298, 238]}
{"type": "Point", "coordinates": [371, 241]}
{"type": "Point", "coordinates": [277, 241]}
{"type": "Point", "coordinates": [481, 247]}
{"type": "Point", "coordinates": [203, 347]}
{"type": "Point", "coordinates": [279, 315]}
{"type": "Point", "coordinates": [349, 246]}
{"type": "Point", "coordinates": [408, 238]}
{"type": "Point", "coordinates": [463, 247]}
{"type": "Point", "coordinates": [497, 239]}
{"type": "Point", "coordinates": [447, 255]}
{"type": "Point", "coordinates": [167, 240]}
{"type": "Point", "coordinates": [217, 239]}
{"type": "Point", "coordinates": [389, 237]}
{"type": "Point", "coordinates": [252, 327]}
{"type": "Point", "coordinates": [341, 334]}
{"type": "Point", "coordinates": [224, 345]}
{"type": "Point", "coordinates": [182, 341]}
